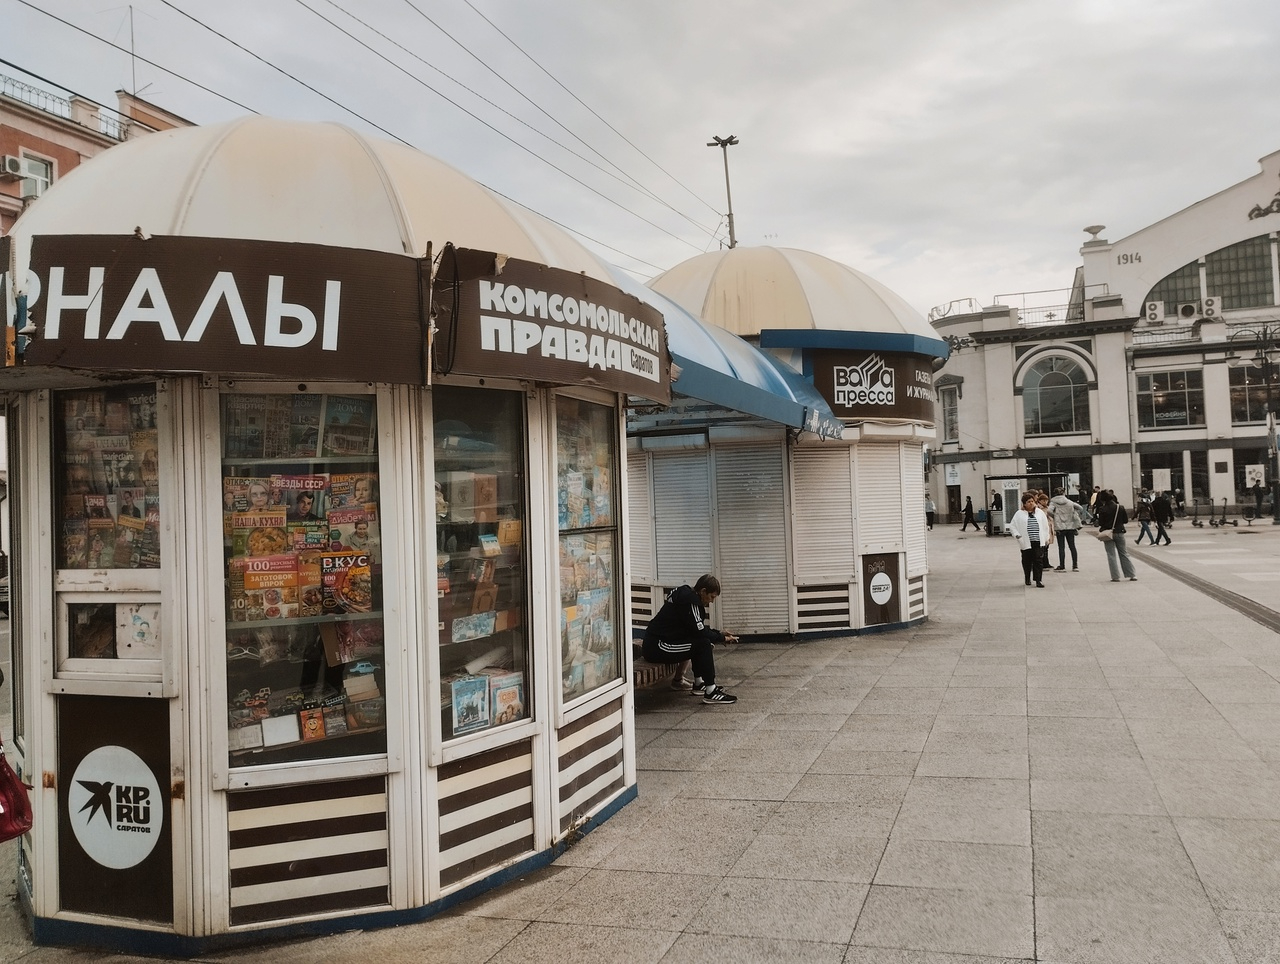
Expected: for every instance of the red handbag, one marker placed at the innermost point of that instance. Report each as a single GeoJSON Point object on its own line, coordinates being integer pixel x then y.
{"type": "Point", "coordinates": [15, 805]}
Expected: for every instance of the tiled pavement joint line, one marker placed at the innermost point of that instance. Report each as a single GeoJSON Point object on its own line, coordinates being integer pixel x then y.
{"type": "Point", "coordinates": [1246, 607]}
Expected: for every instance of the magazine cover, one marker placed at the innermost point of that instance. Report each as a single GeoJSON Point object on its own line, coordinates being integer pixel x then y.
{"type": "Point", "coordinates": [146, 448]}
{"type": "Point", "coordinates": [242, 426]}
{"type": "Point", "coordinates": [506, 695]}
{"type": "Point", "coordinates": [277, 425]}
{"type": "Point", "coordinates": [259, 533]}
{"type": "Point", "coordinates": [141, 409]}
{"type": "Point", "coordinates": [310, 584]}
{"type": "Point", "coordinates": [115, 418]}
{"type": "Point", "coordinates": [117, 465]}
{"type": "Point", "coordinates": [355, 530]}
{"type": "Point", "coordinates": [75, 543]}
{"type": "Point", "coordinates": [349, 425]}
{"type": "Point", "coordinates": [131, 501]}
{"type": "Point", "coordinates": [149, 557]}
{"type": "Point", "coordinates": [470, 704]}
{"type": "Point", "coordinates": [353, 490]}
{"type": "Point", "coordinates": [312, 722]}
{"type": "Point", "coordinates": [102, 543]}
{"type": "Point", "coordinates": [271, 586]}
{"type": "Point", "coordinates": [346, 582]}
{"type": "Point", "coordinates": [304, 497]}
{"type": "Point", "coordinates": [304, 425]}
{"type": "Point", "coordinates": [128, 548]}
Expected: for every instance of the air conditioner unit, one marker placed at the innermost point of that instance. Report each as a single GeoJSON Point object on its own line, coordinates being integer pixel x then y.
{"type": "Point", "coordinates": [1212, 307]}
{"type": "Point", "coordinates": [1188, 310]}
{"type": "Point", "coordinates": [11, 168]}
{"type": "Point", "coordinates": [1153, 312]}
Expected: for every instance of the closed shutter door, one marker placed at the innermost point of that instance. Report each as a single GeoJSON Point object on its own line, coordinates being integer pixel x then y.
{"type": "Point", "coordinates": [751, 533]}
{"type": "Point", "coordinates": [682, 516]}
{"type": "Point", "coordinates": [822, 513]}
{"type": "Point", "coordinates": [913, 495]}
{"type": "Point", "coordinates": [640, 518]}
{"type": "Point", "coordinates": [879, 494]}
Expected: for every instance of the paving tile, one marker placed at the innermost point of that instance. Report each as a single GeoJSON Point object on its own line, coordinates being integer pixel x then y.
{"type": "Point", "coordinates": [1012, 766]}
{"type": "Point", "coordinates": [1254, 937]}
{"type": "Point", "coordinates": [623, 898]}
{"type": "Point", "coordinates": [1136, 794]}
{"type": "Point", "coordinates": [940, 791]}
{"type": "Point", "coordinates": [1189, 740]}
{"type": "Point", "coordinates": [832, 820]}
{"type": "Point", "coordinates": [787, 857]}
{"type": "Point", "coordinates": [1234, 789]}
{"type": "Point", "coordinates": [1237, 860]}
{"type": "Point", "coordinates": [549, 943]}
{"type": "Point", "coordinates": [842, 788]}
{"type": "Point", "coordinates": [949, 921]}
{"type": "Point", "coordinates": [717, 948]}
{"type": "Point", "coordinates": [1081, 931]}
{"type": "Point", "coordinates": [729, 783]}
{"type": "Point", "coordinates": [966, 824]}
{"type": "Point", "coordinates": [1124, 857]}
{"type": "Point", "coordinates": [952, 865]}
{"type": "Point", "coordinates": [781, 909]}
{"type": "Point", "coordinates": [884, 762]}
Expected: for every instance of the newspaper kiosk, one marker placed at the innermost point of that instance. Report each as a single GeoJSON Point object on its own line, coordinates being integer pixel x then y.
{"type": "Point", "coordinates": [319, 576]}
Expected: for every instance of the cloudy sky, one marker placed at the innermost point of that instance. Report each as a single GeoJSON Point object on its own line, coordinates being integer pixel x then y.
{"type": "Point", "coordinates": [949, 148]}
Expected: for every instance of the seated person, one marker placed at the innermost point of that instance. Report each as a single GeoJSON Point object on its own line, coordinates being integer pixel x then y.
{"type": "Point", "coordinates": [680, 632]}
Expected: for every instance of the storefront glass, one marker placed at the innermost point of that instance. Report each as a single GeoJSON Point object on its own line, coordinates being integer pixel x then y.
{"type": "Point", "coordinates": [108, 478]}
{"type": "Point", "coordinates": [588, 523]}
{"type": "Point", "coordinates": [481, 504]}
{"type": "Point", "coordinates": [301, 531]}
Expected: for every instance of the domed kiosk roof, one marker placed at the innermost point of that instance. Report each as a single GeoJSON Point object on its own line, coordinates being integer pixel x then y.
{"type": "Point", "coordinates": [266, 179]}
{"type": "Point", "coordinates": [751, 290]}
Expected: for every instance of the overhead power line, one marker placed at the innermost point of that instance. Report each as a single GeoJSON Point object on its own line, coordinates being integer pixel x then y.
{"type": "Point", "coordinates": [251, 110]}
{"type": "Point", "coordinates": [634, 181]}
{"type": "Point", "coordinates": [586, 160]}
{"type": "Point", "coordinates": [557, 82]}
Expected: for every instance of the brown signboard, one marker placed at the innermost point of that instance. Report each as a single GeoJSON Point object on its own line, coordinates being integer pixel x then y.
{"type": "Point", "coordinates": [502, 316]}
{"type": "Point", "coordinates": [875, 384]}
{"type": "Point", "coordinates": [178, 304]}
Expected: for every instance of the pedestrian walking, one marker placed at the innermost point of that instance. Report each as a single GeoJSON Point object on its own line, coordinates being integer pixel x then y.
{"type": "Point", "coordinates": [1042, 502]}
{"type": "Point", "coordinates": [969, 520]}
{"type": "Point", "coordinates": [1162, 514]}
{"type": "Point", "coordinates": [929, 511]}
{"type": "Point", "coordinates": [1112, 519]}
{"type": "Point", "coordinates": [1067, 518]}
{"type": "Point", "coordinates": [1029, 525]}
{"type": "Point", "coordinates": [1142, 512]}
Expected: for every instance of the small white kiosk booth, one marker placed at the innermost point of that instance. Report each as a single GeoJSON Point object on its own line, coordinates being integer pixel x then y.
{"type": "Point", "coordinates": [318, 548]}
{"type": "Point", "coordinates": [808, 534]}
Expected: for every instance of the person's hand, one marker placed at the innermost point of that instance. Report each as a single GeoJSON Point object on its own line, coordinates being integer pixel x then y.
{"type": "Point", "coordinates": [729, 638]}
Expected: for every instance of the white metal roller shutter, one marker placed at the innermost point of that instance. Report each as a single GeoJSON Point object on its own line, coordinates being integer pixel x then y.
{"type": "Point", "coordinates": [913, 498]}
{"type": "Point", "coordinates": [822, 515]}
{"type": "Point", "coordinates": [682, 516]}
{"type": "Point", "coordinates": [751, 535]}
{"type": "Point", "coordinates": [640, 517]}
{"type": "Point", "coordinates": [878, 468]}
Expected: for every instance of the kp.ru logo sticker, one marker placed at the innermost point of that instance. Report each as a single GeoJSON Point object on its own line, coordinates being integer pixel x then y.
{"type": "Point", "coordinates": [115, 807]}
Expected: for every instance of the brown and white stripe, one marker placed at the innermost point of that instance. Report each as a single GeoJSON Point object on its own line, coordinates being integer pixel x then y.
{"type": "Point", "coordinates": [591, 763]}
{"type": "Point", "coordinates": [486, 811]}
{"type": "Point", "coordinates": [305, 850]}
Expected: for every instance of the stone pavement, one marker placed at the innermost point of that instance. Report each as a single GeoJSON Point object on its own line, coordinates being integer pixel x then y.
{"type": "Point", "coordinates": [1088, 772]}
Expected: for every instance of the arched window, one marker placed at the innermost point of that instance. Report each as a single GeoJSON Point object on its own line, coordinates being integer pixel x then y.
{"type": "Point", "coordinates": [1055, 397]}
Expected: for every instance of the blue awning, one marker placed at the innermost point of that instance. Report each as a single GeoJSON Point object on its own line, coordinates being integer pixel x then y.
{"type": "Point", "coordinates": [718, 367]}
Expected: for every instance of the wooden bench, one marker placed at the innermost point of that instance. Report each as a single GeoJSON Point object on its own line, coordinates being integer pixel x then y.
{"type": "Point", "coordinates": [644, 673]}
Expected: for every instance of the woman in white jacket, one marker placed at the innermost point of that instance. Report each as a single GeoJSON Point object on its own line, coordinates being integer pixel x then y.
{"type": "Point", "coordinates": [1030, 526]}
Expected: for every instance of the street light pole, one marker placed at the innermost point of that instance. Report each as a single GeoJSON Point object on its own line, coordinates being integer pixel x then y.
{"type": "Point", "coordinates": [1266, 337]}
{"type": "Point", "coordinates": [724, 143]}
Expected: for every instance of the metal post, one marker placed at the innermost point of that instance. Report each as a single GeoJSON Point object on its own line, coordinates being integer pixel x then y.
{"type": "Point", "coordinates": [1273, 457]}
{"type": "Point", "coordinates": [724, 143]}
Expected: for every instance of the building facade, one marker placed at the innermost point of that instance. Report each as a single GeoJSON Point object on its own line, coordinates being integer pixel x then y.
{"type": "Point", "coordinates": [1154, 371]}
{"type": "Point", "coordinates": [44, 136]}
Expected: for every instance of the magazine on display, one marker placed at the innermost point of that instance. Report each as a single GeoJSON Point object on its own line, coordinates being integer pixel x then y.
{"type": "Point", "coordinates": [75, 543]}
{"type": "Point", "coordinates": [304, 425]}
{"type": "Point", "coordinates": [102, 543]}
{"type": "Point", "coordinates": [355, 530]}
{"type": "Point", "coordinates": [358, 490]}
{"type": "Point", "coordinates": [128, 547]}
{"type": "Point", "coordinates": [470, 704]}
{"type": "Point", "coordinates": [259, 533]}
{"type": "Point", "coordinates": [304, 497]}
{"type": "Point", "coordinates": [349, 425]}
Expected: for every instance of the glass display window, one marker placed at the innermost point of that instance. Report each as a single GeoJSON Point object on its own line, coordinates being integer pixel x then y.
{"type": "Point", "coordinates": [481, 504]}
{"type": "Point", "coordinates": [301, 530]}
{"type": "Point", "coordinates": [587, 511]}
{"type": "Point", "coordinates": [107, 484]}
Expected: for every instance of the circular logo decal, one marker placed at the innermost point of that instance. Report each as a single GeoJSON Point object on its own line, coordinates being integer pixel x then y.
{"type": "Point", "coordinates": [115, 807]}
{"type": "Point", "coordinates": [881, 588]}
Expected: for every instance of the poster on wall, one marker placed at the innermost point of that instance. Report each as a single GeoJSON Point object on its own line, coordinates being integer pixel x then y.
{"type": "Point", "coordinates": [882, 590]}
{"type": "Point", "coordinates": [115, 850]}
{"type": "Point", "coordinates": [952, 473]}
{"type": "Point", "coordinates": [1162, 480]}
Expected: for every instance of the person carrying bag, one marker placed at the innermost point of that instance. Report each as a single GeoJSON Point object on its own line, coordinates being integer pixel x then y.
{"type": "Point", "coordinates": [15, 804]}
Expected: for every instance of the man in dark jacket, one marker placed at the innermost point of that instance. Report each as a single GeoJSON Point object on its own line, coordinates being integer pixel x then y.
{"type": "Point", "coordinates": [680, 631]}
{"type": "Point", "coordinates": [1162, 512]}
